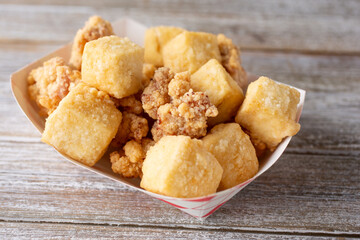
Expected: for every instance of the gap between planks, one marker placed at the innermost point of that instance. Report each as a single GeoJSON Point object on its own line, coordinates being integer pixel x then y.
{"type": "Point", "coordinates": [200, 228]}
{"type": "Point", "coordinates": [333, 53]}
{"type": "Point", "coordinates": [287, 26]}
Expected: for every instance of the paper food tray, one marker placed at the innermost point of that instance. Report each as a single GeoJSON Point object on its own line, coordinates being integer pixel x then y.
{"type": "Point", "coordinates": [200, 207]}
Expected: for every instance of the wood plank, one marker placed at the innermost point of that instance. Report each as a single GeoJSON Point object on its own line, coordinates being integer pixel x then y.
{"type": "Point", "coordinates": [266, 25]}
{"type": "Point", "coordinates": [330, 120]}
{"type": "Point", "coordinates": [305, 193]}
{"type": "Point", "coordinates": [20, 230]}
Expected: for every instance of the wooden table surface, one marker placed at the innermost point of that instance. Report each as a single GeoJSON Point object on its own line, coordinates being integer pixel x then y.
{"type": "Point", "coordinates": [313, 191]}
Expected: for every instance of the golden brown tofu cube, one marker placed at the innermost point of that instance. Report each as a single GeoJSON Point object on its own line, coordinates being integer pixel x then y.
{"type": "Point", "coordinates": [94, 28]}
{"type": "Point", "coordinates": [83, 124]}
{"type": "Point", "coordinates": [222, 90]}
{"type": "Point", "coordinates": [179, 166]}
{"type": "Point", "coordinates": [190, 50]}
{"type": "Point", "coordinates": [269, 111]}
{"type": "Point", "coordinates": [155, 39]}
{"type": "Point", "coordinates": [113, 65]}
{"type": "Point", "coordinates": [235, 153]}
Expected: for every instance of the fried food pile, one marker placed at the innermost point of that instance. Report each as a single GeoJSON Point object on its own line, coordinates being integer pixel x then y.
{"type": "Point", "coordinates": [174, 112]}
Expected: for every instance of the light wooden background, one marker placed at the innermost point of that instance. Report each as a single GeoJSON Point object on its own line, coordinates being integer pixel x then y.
{"type": "Point", "coordinates": [312, 192]}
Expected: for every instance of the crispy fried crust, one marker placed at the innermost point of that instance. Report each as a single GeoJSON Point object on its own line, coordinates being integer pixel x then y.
{"type": "Point", "coordinates": [269, 112]}
{"type": "Point", "coordinates": [148, 73]}
{"type": "Point", "coordinates": [178, 109]}
{"type": "Point", "coordinates": [184, 116]}
{"type": "Point", "coordinates": [230, 59]}
{"type": "Point", "coordinates": [129, 104]}
{"type": "Point", "coordinates": [179, 85]}
{"type": "Point", "coordinates": [156, 93]}
{"type": "Point", "coordinates": [131, 127]}
{"type": "Point", "coordinates": [94, 28]}
{"type": "Point", "coordinates": [128, 162]}
{"type": "Point", "coordinates": [51, 83]}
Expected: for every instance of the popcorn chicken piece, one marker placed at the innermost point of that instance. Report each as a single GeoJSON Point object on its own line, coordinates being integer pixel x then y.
{"type": "Point", "coordinates": [179, 166]}
{"type": "Point", "coordinates": [94, 28]}
{"type": "Point", "coordinates": [230, 59]}
{"type": "Point", "coordinates": [179, 85]}
{"type": "Point", "coordinates": [129, 104]}
{"type": "Point", "coordinates": [113, 65]}
{"type": "Point", "coordinates": [128, 162]}
{"type": "Point", "coordinates": [156, 93]}
{"type": "Point", "coordinates": [235, 153]}
{"type": "Point", "coordinates": [268, 112]}
{"type": "Point", "coordinates": [131, 127]}
{"type": "Point", "coordinates": [126, 167]}
{"type": "Point", "coordinates": [184, 116]}
{"type": "Point", "coordinates": [190, 50]}
{"type": "Point", "coordinates": [83, 124]}
{"type": "Point", "coordinates": [50, 83]}
{"type": "Point", "coordinates": [155, 39]}
{"type": "Point", "coordinates": [222, 90]}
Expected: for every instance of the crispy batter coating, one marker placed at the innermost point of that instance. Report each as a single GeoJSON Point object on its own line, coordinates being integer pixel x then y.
{"type": "Point", "coordinates": [128, 162]}
{"type": "Point", "coordinates": [230, 59]}
{"type": "Point", "coordinates": [184, 116]}
{"type": "Point", "coordinates": [148, 73]}
{"type": "Point", "coordinates": [260, 146]}
{"type": "Point", "coordinates": [179, 85]}
{"type": "Point", "coordinates": [156, 93]}
{"type": "Point", "coordinates": [94, 28]}
{"type": "Point", "coordinates": [83, 124]}
{"type": "Point", "coordinates": [129, 104]}
{"type": "Point", "coordinates": [51, 83]}
{"type": "Point", "coordinates": [131, 127]}
{"type": "Point", "coordinates": [269, 113]}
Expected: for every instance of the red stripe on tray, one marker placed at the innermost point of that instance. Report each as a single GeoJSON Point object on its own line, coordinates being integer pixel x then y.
{"type": "Point", "coordinates": [201, 199]}
{"type": "Point", "coordinates": [204, 199]}
{"type": "Point", "coordinates": [214, 209]}
{"type": "Point", "coordinates": [221, 200]}
{"type": "Point", "coordinates": [172, 204]}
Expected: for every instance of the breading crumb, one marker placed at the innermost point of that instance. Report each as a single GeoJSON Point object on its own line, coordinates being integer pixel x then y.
{"type": "Point", "coordinates": [128, 162]}
{"type": "Point", "coordinates": [179, 85]}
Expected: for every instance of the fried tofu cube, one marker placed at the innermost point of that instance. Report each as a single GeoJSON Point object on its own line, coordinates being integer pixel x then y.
{"type": "Point", "coordinates": [179, 166]}
{"type": "Point", "coordinates": [222, 90]}
{"type": "Point", "coordinates": [190, 50]}
{"type": "Point", "coordinates": [113, 65]}
{"type": "Point", "coordinates": [155, 39]}
{"type": "Point", "coordinates": [83, 124]}
{"type": "Point", "coordinates": [235, 153]}
{"type": "Point", "coordinates": [269, 111]}
{"type": "Point", "coordinates": [94, 28]}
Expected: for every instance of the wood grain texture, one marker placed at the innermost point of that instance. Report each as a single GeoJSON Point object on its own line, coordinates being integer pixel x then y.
{"type": "Point", "coordinates": [311, 26]}
{"type": "Point", "coordinates": [312, 192]}
{"type": "Point", "coordinates": [301, 193]}
{"type": "Point", "coordinates": [60, 231]}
